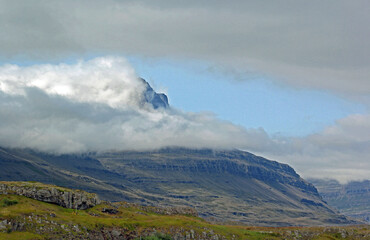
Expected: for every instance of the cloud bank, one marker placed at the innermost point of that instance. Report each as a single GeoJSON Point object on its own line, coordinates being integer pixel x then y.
{"type": "Point", "coordinates": [340, 151]}
{"type": "Point", "coordinates": [99, 105]}
{"type": "Point", "coordinates": [315, 44]}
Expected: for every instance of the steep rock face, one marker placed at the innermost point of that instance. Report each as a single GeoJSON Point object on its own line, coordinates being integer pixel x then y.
{"type": "Point", "coordinates": [351, 199]}
{"type": "Point", "coordinates": [220, 185]}
{"type": "Point", "coordinates": [63, 197]}
{"type": "Point", "coordinates": [183, 210]}
{"type": "Point", "coordinates": [158, 100]}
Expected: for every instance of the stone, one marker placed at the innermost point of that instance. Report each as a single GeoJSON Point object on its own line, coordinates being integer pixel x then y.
{"type": "Point", "coordinates": [75, 199]}
{"type": "Point", "coordinates": [110, 210]}
{"type": "Point", "coordinates": [192, 233]}
{"type": "Point", "coordinates": [3, 224]}
{"type": "Point", "coordinates": [116, 233]}
{"type": "Point", "coordinates": [76, 228]}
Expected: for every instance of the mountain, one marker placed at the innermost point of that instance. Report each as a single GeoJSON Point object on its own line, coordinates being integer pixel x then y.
{"type": "Point", "coordinates": [221, 185]}
{"type": "Point", "coordinates": [351, 199]}
{"type": "Point", "coordinates": [158, 100]}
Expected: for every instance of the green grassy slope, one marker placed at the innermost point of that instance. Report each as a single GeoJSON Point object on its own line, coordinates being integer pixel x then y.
{"type": "Point", "coordinates": [31, 219]}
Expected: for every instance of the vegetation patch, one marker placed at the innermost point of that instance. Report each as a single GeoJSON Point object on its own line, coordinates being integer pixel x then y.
{"type": "Point", "coordinates": [20, 235]}
{"type": "Point", "coordinates": [7, 202]}
{"type": "Point", "coordinates": [32, 219]}
{"type": "Point", "coordinates": [157, 236]}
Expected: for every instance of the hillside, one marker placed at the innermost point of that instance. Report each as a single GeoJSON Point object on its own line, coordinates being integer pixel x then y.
{"type": "Point", "coordinates": [26, 218]}
{"type": "Point", "coordinates": [351, 199]}
{"type": "Point", "coordinates": [223, 186]}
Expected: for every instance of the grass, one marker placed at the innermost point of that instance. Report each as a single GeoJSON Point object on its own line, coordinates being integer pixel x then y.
{"type": "Point", "coordinates": [6, 202]}
{"type": "Point", "coordinates": [157, 236]}
{"type": "Point", "coordinates": [132, 219]}
{"type": "Point", "coordinates": [38, 185]}
{"type": "Point", "coordinates": [128, 218]}
{"type": "Point", "coordinates": [20, 235]}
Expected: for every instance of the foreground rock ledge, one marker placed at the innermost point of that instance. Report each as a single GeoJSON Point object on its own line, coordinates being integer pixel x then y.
{"type": "Point", "coordinates": [64, 197]}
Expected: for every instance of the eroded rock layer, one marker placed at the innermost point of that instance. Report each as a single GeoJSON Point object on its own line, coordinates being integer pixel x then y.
{"type": "Point", "coordinates": [67, 198]}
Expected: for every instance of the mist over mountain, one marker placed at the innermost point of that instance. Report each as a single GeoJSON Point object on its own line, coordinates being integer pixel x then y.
{"type": "Point", "coordinates": [101, 104]}
{"type": "Point", "coordinates": [238, 84]}
{"type": "Point", "coordinates": [157, 100]}
{"type": "Point", "coordinates": [96, 125]}
{"type": "Point", "coordinates": [226, 186]}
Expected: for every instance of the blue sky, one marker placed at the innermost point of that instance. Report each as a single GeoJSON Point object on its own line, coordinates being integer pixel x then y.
{"type": "Point", "coordinates": [258, 102]}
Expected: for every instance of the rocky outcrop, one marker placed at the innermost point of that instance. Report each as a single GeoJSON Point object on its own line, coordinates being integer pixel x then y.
{"type": "Point", "coordinates": [157, 100]}
{"type": "Point", "coordinates": [163, 210]}
{"type": "Point", "coordinates": [67, 198]}
{"type": "Point", "coordinates": [46, 225]}
{"type": "Point", "coordinates": [51, 228]}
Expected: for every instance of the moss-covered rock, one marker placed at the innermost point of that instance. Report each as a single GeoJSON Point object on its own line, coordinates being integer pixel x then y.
{"type": "Point", "coordinates": [64, 197]}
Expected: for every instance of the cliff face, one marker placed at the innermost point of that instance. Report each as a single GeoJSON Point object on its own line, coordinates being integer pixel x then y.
{"type": "Point", "coordinates": [351, 199]}
{"type": "Point", "coordinates": [220, 185]}
{"type": "Point", "coordinates": [63, 197]}
{"type": "Point", "coordinates": [157, 100]}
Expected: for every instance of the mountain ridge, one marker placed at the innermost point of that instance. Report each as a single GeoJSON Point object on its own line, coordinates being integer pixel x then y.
{"type": "Point", "coordinates": [351, 199]}
{"type": "Point", "coordinates": [157, 100]}
{"type": "Point", "coordinates": [222, 185]}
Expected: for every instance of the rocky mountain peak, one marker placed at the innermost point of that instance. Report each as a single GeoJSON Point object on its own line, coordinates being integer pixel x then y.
{"type": "Point", "coordinates": [158, 100]}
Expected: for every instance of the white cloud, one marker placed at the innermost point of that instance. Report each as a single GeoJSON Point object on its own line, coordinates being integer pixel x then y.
{"type": "Point", "coordinates": [98, 105]}
{"type": "Point", "coordinates": [311, 44]}
{"type": "Point", "coordinates": [102, 80]}
{"type": "Point", "coordinates": [340, 151]}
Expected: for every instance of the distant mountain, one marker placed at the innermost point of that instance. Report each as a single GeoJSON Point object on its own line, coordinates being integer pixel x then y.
{"type": "Point", "coordinates": [221, 185]}
{"type": "Point", "coordinates": [351, 199]}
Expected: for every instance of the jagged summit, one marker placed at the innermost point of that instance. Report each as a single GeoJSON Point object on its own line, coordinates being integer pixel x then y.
{"type": "Point", "coordinates": [158, 100]}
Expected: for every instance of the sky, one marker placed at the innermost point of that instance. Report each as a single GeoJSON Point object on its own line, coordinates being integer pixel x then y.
{"type": "Point", "coordinates": [255, 102]}
{"type": "Point", "coordinates": [287, 80]}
